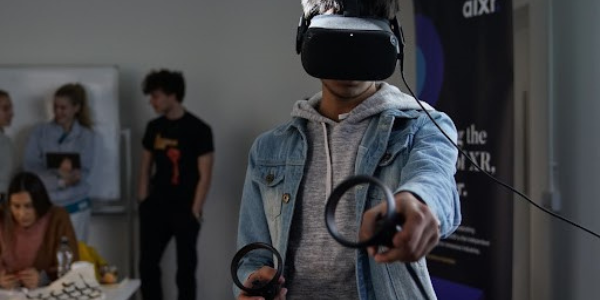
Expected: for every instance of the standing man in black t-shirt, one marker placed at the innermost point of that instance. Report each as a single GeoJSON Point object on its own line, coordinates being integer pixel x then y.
{"type": "Point", "coordinates": [180, 148]}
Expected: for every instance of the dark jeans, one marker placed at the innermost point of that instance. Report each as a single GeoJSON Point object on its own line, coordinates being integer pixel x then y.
{"type": "Point", "coordinates": [159, 222]}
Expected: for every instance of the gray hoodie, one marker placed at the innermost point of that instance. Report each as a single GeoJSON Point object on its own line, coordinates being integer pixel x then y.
{"type": "Point", "coordinates": [317, 266]}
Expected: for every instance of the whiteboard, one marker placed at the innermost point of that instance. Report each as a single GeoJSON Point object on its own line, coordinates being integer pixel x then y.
{"type": "Point", "coordinates": [32, 89]}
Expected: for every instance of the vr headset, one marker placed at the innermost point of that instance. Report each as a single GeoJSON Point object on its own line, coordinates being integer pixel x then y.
{"type": "Point", "coordinates": [348, 46]}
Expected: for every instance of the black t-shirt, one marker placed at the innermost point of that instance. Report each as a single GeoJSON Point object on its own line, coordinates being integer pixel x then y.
{"type": "Point", "coordinates": [176, 146]}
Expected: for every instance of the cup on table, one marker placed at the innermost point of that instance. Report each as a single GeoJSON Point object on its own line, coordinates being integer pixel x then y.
{"type": "Point", "coordinates": [108, 274]}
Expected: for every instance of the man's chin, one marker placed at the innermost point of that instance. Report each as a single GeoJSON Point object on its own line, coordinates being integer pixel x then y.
{"type": "Point", "coordinates": [351, 91]}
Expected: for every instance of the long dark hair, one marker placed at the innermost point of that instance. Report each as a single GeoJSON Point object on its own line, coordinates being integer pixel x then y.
{"type": "Point", "coordinates": [32, 184]}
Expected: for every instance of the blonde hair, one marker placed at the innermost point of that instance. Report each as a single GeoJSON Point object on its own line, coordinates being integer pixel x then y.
{"type": "Point", "coordinates": [77, 96]}
{"type": "Point", "coordinates": [372, 8]}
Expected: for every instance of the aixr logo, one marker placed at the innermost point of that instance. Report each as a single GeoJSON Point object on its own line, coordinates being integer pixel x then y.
{"type": "Point", "coordinates": [475, 8]}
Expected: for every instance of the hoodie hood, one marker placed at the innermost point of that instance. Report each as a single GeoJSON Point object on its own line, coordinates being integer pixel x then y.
{"type": "Point", "coordinates": [387, 97]}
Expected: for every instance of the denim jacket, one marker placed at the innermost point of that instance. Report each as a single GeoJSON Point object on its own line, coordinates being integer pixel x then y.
{"type": "Point", "coordinates": [403, 148]}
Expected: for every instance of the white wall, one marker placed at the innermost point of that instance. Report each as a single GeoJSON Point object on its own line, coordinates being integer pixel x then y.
{"type": "Point", "coordinates": [522, 134]}
{"type": "Point", "coordinates": [242, 72]}
{"type": "Point", "coordinates": [576, 89]}
{"type": "Point", "coordinates": [536, 226]}
{"type": "Point", "coordinates": [560, 68]}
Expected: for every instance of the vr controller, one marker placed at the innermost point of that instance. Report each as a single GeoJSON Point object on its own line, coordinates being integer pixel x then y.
{"type": "Point", "coordinates": [386, 227]}
{"type": "Point", "coordinates": [266, 289]}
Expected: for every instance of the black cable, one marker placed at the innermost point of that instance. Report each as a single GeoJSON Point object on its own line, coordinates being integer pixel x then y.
{"type": "Point", "coordinates": [417, 280]}
{"type": "Point", "coordinates": [505, 185]}
{"type": "Point", "coordinates": [387, 228]}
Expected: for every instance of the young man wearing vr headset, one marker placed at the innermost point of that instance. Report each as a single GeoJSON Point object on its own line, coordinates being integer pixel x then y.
{"type": "Point", "coordinates": [356, 125]}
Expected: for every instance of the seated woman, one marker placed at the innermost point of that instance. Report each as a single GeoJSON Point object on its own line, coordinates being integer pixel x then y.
{"type": "Point", "coordinates": [69, 137]}
{"type": "Point", "coordinates": [7, 153]}
{"type": "Point", "coordinates": [30, 232]}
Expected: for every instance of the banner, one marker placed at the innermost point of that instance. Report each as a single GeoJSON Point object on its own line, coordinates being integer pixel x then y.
{"type": "Point", "coordinates": [465, 68]}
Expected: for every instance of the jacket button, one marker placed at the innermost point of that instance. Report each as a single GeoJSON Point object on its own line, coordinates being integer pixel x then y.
{"type": "Point", "coordinates": [286, 198]}
{"type": "Point", "coordinates": [270, 178]}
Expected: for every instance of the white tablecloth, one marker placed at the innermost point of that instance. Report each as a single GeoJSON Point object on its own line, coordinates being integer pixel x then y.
{"type": "Point", "coordinates": [120, 291]}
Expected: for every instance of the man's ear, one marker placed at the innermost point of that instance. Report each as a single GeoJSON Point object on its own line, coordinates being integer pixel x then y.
{"type": "Point", "coordinates": [173, 98]}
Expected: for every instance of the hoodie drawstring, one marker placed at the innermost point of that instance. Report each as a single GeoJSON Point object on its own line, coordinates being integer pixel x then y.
{"type": "Point", "coordinates": [328, 180]}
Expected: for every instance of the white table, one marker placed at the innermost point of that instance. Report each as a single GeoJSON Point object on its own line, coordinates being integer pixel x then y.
{"type": "Point", "coordinates": [119, 291]}
{"type": "Point", "coordinates": [122, 290]}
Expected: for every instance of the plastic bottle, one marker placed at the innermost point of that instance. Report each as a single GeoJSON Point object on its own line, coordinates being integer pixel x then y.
{"type": "Point", "coordinates": [64, 257]}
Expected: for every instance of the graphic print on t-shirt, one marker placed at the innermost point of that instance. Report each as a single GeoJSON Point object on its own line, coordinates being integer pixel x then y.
{"type": "Point", "coordinates": [170, 146]}
{"type": "Point", "coordinates": [161, 143]}
{"type": "Point", "coordinates": [174, 155]}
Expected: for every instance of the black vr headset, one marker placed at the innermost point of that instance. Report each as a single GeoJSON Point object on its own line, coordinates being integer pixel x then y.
{"type": "Point", "coordinates": [349, 46]}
